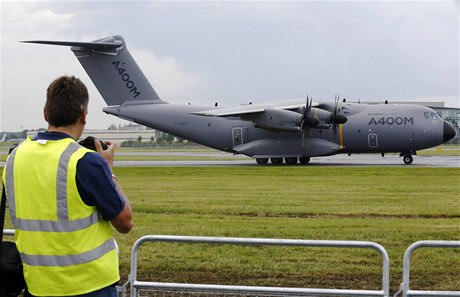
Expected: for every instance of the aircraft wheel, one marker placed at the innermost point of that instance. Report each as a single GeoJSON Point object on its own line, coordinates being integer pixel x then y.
{"type": "Point", "coordinates": [304, 160]}
{"type": "Point", "coordinates": [276, 160]}
{"type": "Point", "coordinates": [407, 159]}
{"type": "Point", "coordinates": [262, 161]}
{"type": "Point", "coordinates": [290, 161]}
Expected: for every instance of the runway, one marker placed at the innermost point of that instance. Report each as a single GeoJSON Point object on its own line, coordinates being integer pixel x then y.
{"type": "Point", "coordinates": [336, 160]}
{"type": "Point", "coordinates": [224, 159]}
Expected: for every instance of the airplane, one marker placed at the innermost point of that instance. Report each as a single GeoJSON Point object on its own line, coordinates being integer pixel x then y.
{"type": "Point", "coordinates": [291, 131]}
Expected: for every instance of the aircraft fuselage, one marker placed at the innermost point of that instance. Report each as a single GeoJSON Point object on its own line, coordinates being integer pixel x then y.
{"type": "Point", "coordinates": [378, 128]}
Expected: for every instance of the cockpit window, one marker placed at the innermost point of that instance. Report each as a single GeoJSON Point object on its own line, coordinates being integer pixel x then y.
{"type": "Point", "coordinates": [431, 115]}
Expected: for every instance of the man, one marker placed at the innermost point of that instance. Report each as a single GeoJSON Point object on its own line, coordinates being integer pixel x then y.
{"type": "Point", "coordinates": [62, 197]}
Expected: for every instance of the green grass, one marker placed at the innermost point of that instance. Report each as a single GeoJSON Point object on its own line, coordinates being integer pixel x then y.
{"type": "Point", "coordinates": [442, 150]}
{"type": "Point", "coordinates": [391, 206]}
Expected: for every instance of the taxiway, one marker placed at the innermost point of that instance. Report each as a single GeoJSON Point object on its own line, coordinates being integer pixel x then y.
{"type": "Point", "coordinates": [336, 160]}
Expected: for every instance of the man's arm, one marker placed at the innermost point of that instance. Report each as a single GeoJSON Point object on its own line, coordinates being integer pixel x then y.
{"type": "Point", "coordinates": [122, 223]}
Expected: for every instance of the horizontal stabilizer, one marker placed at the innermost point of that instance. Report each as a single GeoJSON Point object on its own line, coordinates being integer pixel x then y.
{"type": "Point", "coordinates": [92, 45]}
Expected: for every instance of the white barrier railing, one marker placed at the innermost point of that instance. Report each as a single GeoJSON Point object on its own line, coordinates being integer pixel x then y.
{"type": "Point", "coordinates": [136, 284]}
{"type": "Point", "coordinates": [404, 288]}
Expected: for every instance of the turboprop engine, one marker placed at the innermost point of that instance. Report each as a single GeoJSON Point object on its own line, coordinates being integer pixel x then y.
{"type": "Point", "coordinates": [278, 119]}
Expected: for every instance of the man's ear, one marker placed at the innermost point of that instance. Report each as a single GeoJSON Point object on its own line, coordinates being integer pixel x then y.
{"type": "Point", "coordinates": [45, 114]}
{"type": "Point", "coordinates": [83, 116]}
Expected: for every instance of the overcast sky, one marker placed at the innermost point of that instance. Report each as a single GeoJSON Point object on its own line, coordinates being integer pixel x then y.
{"type": "Point", "coordinates": [236, 52]}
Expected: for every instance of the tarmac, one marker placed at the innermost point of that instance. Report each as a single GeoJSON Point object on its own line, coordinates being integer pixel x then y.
{"type": "Point", "coordinates": [336, 160]}
{"type": "Point", "coordinates": [391, 160]}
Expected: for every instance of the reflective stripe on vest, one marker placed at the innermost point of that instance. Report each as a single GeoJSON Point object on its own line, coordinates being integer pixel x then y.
{"type": "Point", "coordinates": [42, 260]}
{"type": "Point", "coordinates": [62, 224]}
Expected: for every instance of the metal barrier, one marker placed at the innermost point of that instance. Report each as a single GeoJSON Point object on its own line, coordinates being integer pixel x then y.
{"type": "Point", "coordinates": [254, 290]}
{"type": "Point", "coordinates": [248, 290]}
{"type": "Point", "coordinates": [404, 288]}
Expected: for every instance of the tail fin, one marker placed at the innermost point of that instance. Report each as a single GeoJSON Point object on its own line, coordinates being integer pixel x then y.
{"type": "Point", "coordinates": [112, 69]}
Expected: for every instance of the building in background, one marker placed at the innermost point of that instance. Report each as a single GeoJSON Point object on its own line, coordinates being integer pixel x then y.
{"type": "Point", "coordinates": [117, 135]}
{"type": "Point", "coordinates": [123, 133]}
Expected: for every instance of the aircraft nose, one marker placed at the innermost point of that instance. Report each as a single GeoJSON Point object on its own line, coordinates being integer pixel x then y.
{"type": "Point", "coordinates": [449, 131]}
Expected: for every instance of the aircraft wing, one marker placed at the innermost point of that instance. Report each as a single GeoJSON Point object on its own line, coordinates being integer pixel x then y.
{"type": "Point", "coordinates": [229, 112]}
{"type": "Point", "coordinates": [281, 116]}
{"type": "Point", "coordinates": [245, 110]}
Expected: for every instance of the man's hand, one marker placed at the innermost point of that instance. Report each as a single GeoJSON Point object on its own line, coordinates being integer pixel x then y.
{"type": "Point", "coordinates": [108, 154]}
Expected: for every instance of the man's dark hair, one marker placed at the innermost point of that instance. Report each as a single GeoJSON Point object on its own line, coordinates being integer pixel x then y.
{"type": "Point", "coordinates": [66, 99]}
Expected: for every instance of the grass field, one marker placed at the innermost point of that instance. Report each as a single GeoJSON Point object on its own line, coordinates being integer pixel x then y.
{"type": "Point", "coordinates": [391, 206]}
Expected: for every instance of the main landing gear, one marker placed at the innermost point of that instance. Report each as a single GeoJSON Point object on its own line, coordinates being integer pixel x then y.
{"type": "Point", "coordinates": [262, 161]}
{"type": "Point", "coordinates": [288, 160]}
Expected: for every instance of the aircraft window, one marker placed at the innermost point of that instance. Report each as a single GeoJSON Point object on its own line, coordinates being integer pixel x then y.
{"type": "Point", "coordinates": [431, 115]}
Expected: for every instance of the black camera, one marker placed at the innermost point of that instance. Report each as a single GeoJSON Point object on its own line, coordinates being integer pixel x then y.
{"type": "Point", "coordinates": [88, 142]}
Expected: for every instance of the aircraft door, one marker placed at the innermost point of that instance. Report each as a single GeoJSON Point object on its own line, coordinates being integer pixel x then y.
{"type": "Point", "coordinates": [237, 134]}
{"type": "Point", "coordinates": [373, 142]}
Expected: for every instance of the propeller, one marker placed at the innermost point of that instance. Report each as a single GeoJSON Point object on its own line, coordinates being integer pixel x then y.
{"type": "Point", "coordinates": [329, 117]}
{"type": "Point", "coordinates": [337, 119]}
{"type": "Point", "coordinates": [307, 119]}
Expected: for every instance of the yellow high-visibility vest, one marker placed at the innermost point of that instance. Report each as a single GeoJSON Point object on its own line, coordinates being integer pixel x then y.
{"type": "Point", "coordinates": [65, 247]}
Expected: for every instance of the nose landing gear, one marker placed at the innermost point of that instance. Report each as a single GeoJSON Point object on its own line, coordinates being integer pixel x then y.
{"type": "Point", "coordinates": [407, 157]}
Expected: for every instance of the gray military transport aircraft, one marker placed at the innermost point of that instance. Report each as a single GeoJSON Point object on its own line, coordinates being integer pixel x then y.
{"type": "Point", "coordinates": [292, 131]}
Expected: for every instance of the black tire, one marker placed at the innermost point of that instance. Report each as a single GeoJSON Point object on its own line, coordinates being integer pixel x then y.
{"type": "Point", "coordinates": [291, 161]}
{"type": "Point", "coordinates": [407, 159]}
{"type": "Point", "coordinates": [276, 161]}
{"type": "Point", "coordinates": [304, 160]}
{"type": "Point", "coordinates": [262, 161]}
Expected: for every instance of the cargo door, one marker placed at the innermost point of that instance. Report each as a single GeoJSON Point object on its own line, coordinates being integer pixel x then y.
{"type": "Point", "coordinates": [373, 141]}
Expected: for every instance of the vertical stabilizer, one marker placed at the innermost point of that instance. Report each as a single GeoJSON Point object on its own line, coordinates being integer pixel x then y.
{"type": "Point", "coordinates": [112, 69]}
